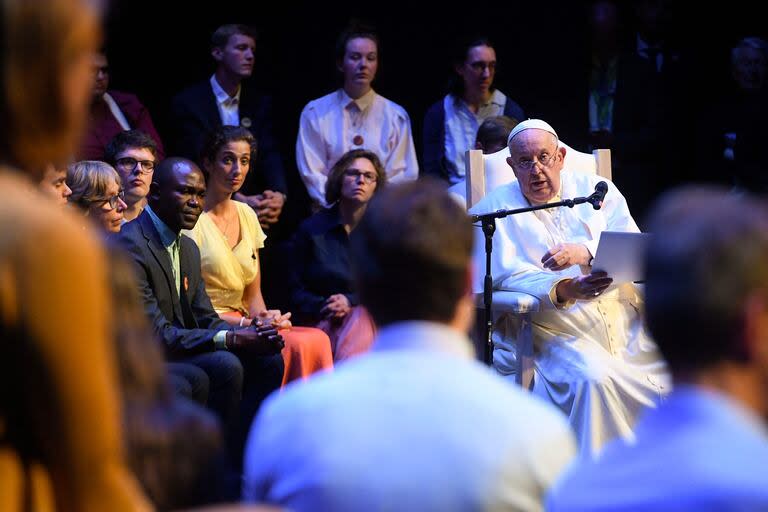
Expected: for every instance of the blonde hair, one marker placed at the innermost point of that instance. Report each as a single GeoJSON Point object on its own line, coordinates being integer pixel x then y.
{"type": "Point", "coordinates": [42, 43]}
{"type": "Point", "coordinates": [89, 180]}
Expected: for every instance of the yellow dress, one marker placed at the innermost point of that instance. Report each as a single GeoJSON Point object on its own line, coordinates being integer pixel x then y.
{"type": "Point", "coordinates": [227, 271]}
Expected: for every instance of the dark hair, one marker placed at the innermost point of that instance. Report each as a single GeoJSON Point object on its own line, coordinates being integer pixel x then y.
{"type": "Point", "coordinates": [410, 253]}
{"type": "Point", "coordinates": [218, 138]}
{"type": "Point", "coordinates": [456, 83]}
{"type": "Point", "coordinates": [336, 174]}
{"type": "Point", "coordinates": [494, 131]}
{"type": "Point", "coordinates": [708, 254]}
{"type": "Point", "coordinates": [354, 30]}
{"type": "Point", "coordinates": [221, 35]}
{"type": "Point", "coordinates": [129, 139]}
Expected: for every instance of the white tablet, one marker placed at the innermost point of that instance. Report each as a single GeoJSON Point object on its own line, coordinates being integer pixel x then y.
{"type": "Point", "coordinates": [621, 254]}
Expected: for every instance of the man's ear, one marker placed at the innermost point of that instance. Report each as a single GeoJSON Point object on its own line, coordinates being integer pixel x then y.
{"type": "Point", "coordinates": [509, 163]}
{"type": "Point", "coordinates": [217, 54]}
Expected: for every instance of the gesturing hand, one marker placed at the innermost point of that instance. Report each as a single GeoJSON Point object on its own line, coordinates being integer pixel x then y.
{"type": "Point", "coordinates": [336, 306]}
{"type": "Point", "coordinates": [564, 255]}
{"type": "Point", "coordinates": [583, 287]}
{"type": "Point", "coordinates": [256, 339]}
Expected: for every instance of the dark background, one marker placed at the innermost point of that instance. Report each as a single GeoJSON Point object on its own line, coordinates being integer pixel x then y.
{"type": "Point", "coordinates": [542, 50]}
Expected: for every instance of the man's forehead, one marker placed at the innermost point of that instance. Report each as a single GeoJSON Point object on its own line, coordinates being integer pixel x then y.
{"type": "Point", "coordinates": [135, 150]}
{"type": "Point", "coordinates": [532, 139]}
{"type": "Point", "coordinates": [188, 174]}
{"type": "Point", "coordinates": [237, 39]}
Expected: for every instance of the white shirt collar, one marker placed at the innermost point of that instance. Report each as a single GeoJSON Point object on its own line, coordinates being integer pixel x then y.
{"type": "Point", "coordinates": [363, 102]}
{"type": "Point", "coordinates": [497, 98]}
{"type": "Point", "coordinates": [423, 335]}
{"type": "Point", "coordinates": [221, 95]}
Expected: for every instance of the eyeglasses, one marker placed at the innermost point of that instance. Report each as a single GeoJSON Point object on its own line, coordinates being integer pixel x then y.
{"type": "Point", "coordinates": [368, 177]}
{"type": "Point", "coordinates": [545, 159]}
{"type": "Point", "coordinates": [113, 201]}
{"type": "Point", "coordinates": [129, 164]}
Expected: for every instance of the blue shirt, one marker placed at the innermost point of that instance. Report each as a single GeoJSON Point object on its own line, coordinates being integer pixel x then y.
{"type": "Point", "coordinates": [414, 425]}
{"type": "Point", "coordinates": [699, 450]}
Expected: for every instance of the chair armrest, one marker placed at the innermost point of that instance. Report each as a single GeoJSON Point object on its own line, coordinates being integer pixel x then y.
{"type": "Point", "coordinates": [505, 301]}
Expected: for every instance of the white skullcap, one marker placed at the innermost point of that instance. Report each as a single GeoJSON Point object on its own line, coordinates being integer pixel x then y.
{"type": "Point", "coordinates": [527, 125]}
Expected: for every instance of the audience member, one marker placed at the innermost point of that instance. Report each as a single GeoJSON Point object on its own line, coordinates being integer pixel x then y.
{"type": "Point", "coordinates": [491, 137]}
{"type": "Point", "coordinates": [451, 124]}
{"type": "Point", "coordinates": [706, 446]}
{"type": "Point", "coordinates": [592, 356]}
{"type": "Point", "coordinates": [734, 127]}
{"type": "Point", "coordinates": [321, 277]}
{"type": "Point", "coordinates": [603, 65]}
{"type": "Point", "coordinates": [416, 424]}
{"type": "Point", "coordinates": [225, 100]}
{"type": "Point", "coordinates": [169, 281]}
{"type": "Point", "coordinates": [134, 155]}
{"type": "Point", "coordinates": [493, 133]}
{"type": "Point", "coordinates": [111, 113]}
{"type": "Point", "coordinates": [354, 117]}
{"type": "Point", "coordinates": [652, 99]}
{"type": "Point", "coordinates": [59, 405]}
{"type": "Point", "coordinates": [229, 237]}
{"type": "Point", "coordinates": [54, 184]}
{"type": "Point", "coordinates": [98, 193]}
{"type": "Point", "coordinates": [172, 444]}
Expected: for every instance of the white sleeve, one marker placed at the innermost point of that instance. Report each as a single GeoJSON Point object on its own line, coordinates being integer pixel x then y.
{"type": "Point", "coordinates": [310, 155]}
{"type": "Point", "coordinates": [401, 164]}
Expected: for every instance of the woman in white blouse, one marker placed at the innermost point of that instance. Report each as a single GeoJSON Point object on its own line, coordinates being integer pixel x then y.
{"type": "Point", "coordinates": [354, 117]}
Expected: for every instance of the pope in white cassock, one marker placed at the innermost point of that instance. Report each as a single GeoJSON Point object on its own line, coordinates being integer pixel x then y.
{"type": "Point", "coordinates": [592, 357]}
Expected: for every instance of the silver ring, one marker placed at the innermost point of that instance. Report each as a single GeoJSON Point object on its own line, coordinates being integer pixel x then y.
{"type": "Point", "coordinates": [597, 293]}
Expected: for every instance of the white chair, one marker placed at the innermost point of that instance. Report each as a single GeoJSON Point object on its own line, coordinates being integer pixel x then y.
{"type": "Point", "coordinates": [483, 174]}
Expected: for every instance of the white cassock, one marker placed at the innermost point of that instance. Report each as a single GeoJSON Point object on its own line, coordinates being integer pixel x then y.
{"type": "Point", "coordinates": [592, 358]}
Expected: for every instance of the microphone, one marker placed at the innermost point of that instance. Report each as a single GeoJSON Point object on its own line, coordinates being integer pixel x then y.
{"type": "Point", "coordinates": [596, 198]}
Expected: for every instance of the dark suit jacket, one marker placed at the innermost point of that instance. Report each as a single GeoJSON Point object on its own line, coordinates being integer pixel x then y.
{"type": "Point", "coordinates": [195, 114]}
{"type": "Point", "coordinates": [186, 325]}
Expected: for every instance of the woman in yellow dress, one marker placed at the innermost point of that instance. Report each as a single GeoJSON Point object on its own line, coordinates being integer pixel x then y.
{"type": "Point", "coordinates": [229, 236]}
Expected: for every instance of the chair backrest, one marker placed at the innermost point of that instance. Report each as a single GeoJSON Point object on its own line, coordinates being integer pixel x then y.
{"type": "Point", "coordinates": [486, 172]}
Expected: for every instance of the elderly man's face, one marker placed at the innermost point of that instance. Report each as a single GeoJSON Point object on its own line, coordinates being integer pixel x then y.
{"type": "Point", "coordinates": [536, 161]}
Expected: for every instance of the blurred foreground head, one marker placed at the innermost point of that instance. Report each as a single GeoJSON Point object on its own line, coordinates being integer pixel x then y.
{"type": "Point", "coordinates": [411, 255]}
{"type": "Point", "coordinates": [46, 49]}
{"type": "Point", "coordinates": [707, 284]}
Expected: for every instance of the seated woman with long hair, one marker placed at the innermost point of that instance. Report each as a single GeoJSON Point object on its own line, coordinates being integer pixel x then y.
{"type": "Point", "coordinates": [97, 191]}
{"type": "Point", "coordinates": [229, 236]}
{"type": "Point", "coordinates": [321, 280]}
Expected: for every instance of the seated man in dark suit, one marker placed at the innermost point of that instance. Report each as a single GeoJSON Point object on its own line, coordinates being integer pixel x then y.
{"type": "Point", "coordinates": [238, 361]}
{"type": "Point", "coordinates": [223, 100]}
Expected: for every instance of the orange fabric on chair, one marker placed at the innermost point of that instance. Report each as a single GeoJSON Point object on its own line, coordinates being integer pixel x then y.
{"type": "Point", "coordinates": [307, 350]}
{"type": "Point", "coordinates": [352, 336]}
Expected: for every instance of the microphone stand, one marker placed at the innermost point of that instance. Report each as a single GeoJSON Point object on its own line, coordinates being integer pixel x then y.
{"type": "Point", "coordinates": [488, 222]}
